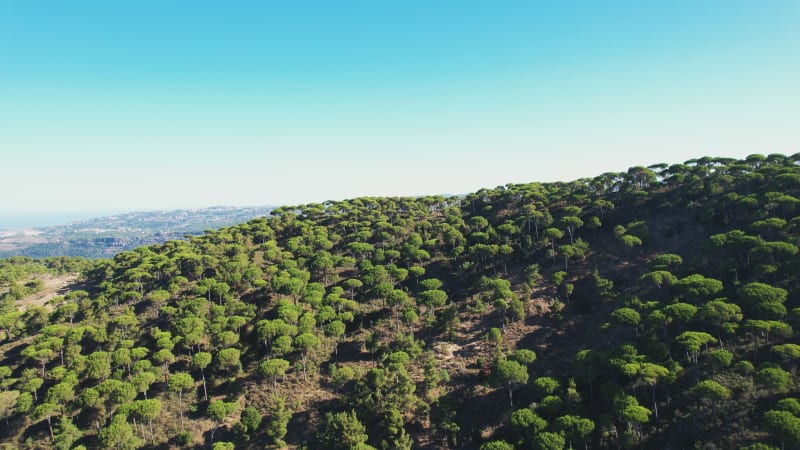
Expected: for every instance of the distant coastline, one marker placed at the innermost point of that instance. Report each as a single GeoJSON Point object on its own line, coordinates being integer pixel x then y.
{"type": "Point", "coordinates": [16, 221]}
{"type": "Point", "coordinates": [102, 234]}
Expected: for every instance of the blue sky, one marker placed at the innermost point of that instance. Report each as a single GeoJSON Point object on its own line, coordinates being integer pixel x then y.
{"type": "Point", "coordinates": [171, 104]}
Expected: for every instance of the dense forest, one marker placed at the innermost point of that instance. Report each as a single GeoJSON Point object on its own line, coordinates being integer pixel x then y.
{"type": "Point", "coordinates": [651, 308]}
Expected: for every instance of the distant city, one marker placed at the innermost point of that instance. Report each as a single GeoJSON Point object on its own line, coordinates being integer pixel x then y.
{"type": "Point", "coordinates": [63, 234]}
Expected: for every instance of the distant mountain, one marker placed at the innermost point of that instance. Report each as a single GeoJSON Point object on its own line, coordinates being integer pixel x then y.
{"type": "Point", "coordinates": [106, 236]}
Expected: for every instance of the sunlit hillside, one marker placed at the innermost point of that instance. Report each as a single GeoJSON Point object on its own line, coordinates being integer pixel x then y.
{"type": "Point", "coordinates": [650, 308]}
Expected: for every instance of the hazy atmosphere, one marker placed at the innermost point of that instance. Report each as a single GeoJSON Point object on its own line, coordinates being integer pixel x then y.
{"type": "Point", "coordinates": [153, 105]}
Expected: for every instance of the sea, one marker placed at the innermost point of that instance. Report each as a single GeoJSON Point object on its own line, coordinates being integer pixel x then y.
{"type": "Point", "coordinates": [17, 221]}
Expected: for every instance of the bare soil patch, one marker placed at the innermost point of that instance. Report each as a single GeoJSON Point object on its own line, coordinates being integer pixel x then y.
{"type": "Point", "coordinates": [54, 285]}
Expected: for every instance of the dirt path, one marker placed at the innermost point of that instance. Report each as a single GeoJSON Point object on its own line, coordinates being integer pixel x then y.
{"type": "Point", "coordinates": [54, 285]}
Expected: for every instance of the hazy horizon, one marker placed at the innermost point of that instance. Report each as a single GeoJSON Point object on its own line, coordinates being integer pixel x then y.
{"type": "Point", "coordinates": [27, 220]}
{"type": "Point", "coordinates": [23, 220]}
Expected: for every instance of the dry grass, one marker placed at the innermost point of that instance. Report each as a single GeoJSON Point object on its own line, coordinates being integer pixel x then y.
{"type": "Point", "coordinates": [54, 285]}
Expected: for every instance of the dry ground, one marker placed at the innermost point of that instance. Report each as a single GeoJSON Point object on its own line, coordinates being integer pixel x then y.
{"type": "Point", "coordinates": [54, 285]}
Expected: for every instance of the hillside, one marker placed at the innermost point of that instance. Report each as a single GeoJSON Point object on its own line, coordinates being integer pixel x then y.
{"type": "Point", "coordinates": [104, 237]}
{"type": "Point", "coordinates": [651, 308]}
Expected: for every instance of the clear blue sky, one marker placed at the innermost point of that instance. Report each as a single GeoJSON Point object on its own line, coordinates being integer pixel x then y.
{"type": "Point", "coordinates": [114, 105]}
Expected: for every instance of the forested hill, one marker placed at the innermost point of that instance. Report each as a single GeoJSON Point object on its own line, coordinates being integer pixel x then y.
{"type": "Point", "coordinates": [651, 308]}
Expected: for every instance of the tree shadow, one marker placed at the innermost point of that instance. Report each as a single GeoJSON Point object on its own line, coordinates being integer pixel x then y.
{"type": "Point", "coordinates": [13, 354]}
{"type": "Point", "coordinates": [478, 415]}
{"type": "Point", "coordinates": [351, 351]}
{"type": "Point", "coordinates": [303, 423]}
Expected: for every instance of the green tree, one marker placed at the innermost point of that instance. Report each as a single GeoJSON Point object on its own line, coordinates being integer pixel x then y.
{"type": "Point", "coordinates": [66, 434]}
{"type": "Point", "coordinates": [509, 374]}
{"type": "Point", "coordinates": [24, 403]}
{"type": "Point", "coordinates": [228, 359]}
{"type": "Point", "coordinates": [697, 287]}
{"type": "Point", "coordinates": [142, 381]}
{"type": "Point", "coordinates": [552, 235]}
{"type": "Point", "coordinates": [626, 317]}
{"type": "Point", "coordinates": [545, 386]}
{"type": "Point", "coordinates": [271, 369]}
{"type": "Point", "coordinates": [8, 401]}
{"type": "Point", "coordinates": [146, 411]}
{"type": "Point", "coordinates": [718, 313]}
{"type": "Point", "coordinates": [417, 271]}
{"type": "Point", "coordinates": [158, 298]}
{"type": "Point", "coordinates": [680, 313]}
{"type": "Point", "coordinates": [784, 425]}
{"type": "Point", "coordinates": [755, 293]}
{"type": "Point", "coordinates": [720, 359]}
{"type": "Point", "coordinates": [430, 284]}
{"type": "Point", "coordinates": [525, 356]}
{"type": "Point", "coordinates": [201, 360]}
{"type": "Point", "coordinates": [548, 441]}
{"type": "Point", "coordinates": [788, 352]}
{"type": "Point", "coordinates": [117, 393]}
{"type": "Point", "coordinates": [306, 343]}
{"type": "Point", "coordinates": [497, 445]}
{"type": "Point", "coordinates": [576, 429]}
{"type": "Point", "coordinates": [281, 346]}
{"type": "Point", "coordinates": [433, 298]}
{"type": "Point", "coordinates": [250, 419]}
{"type": "Point", "coordinates": [693, 341]}
{"type": "Point", "coordinates": [397, 299]}
{"type": "Point", "coordinates": [711, 391]}
{"type": "Point", "coordinates": [789, 404]}
{"type": "Point", "coordinates": [119, 435]}
{"type": "Point", "coordinates": [218, 411]}
{"type": "Point", "coordinates": [495, 335]}
{"type": "Point", "coordinates": [343, 431]}
{"type": "Point", "coordinates": [60, 393]}
{"type": "Point", "coordinates": [178, 383]}
{"type": "Point", "coordinates": [164, 357]}
{"type": "Point", "coordinates": [526, 424]}
{"type": "Point", "coordinates": [571, 223]}
{"type": "Point", "coordinates": [47, 411]}
{"type": "Point", "coordinates": [269, 330]}
{"type": "Point", "coordinates": [774, 379]}
{"type": "Point", "coordinates": [659, 279]}
{"type": "Point", "coordinates": [667, 261]}
{"type": "Point", "coordinates": [588, 364]}
{"type": "Point", "coordinates": [279, 417]}
{"type": "Point", "coordinates": [335, 330]}
{"type": "Point", "coordinates": [99, 365]}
